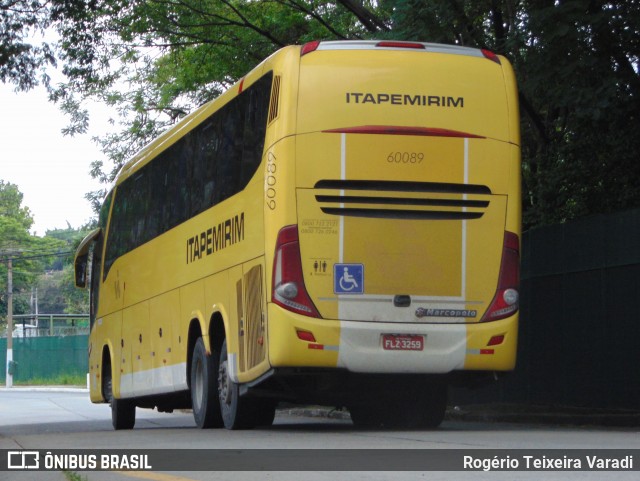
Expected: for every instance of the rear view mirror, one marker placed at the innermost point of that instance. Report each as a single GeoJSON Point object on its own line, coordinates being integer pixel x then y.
{"type": "Point", "coordinates": [81, 271]}
{"type": "Point", "coordinates": [82, 258]}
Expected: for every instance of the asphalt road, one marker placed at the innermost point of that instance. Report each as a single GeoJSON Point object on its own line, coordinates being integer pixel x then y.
{"type": "Point", "coordinates": [64, 419]}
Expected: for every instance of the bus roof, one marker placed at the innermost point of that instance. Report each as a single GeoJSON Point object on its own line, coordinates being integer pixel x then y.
{"type": "Point", "coordinates": [396, 45]}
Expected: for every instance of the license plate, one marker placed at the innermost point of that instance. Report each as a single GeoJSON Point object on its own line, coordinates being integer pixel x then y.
{"type": "Point", "coordinates": [402, 342]}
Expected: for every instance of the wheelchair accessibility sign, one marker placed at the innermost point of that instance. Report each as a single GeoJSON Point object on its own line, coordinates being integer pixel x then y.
{"type": "Point", "coordinates": [348, 278]}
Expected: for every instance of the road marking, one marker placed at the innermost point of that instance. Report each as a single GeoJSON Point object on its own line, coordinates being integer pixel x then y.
{"type": "Point", "coordinates": [153, 476]}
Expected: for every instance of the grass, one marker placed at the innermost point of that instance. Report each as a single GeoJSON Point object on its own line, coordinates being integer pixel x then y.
{"type": "Point", "coordinates": [59, 380]}
{"type": "Point", "coordinates": [71, 476]}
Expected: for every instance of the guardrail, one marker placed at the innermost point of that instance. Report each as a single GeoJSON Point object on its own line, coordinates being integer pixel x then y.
{"type": "Point", "coordinates": [39, 325]}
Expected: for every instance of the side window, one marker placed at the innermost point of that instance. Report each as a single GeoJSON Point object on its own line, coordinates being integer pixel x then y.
{"type": "Point", "coordinates": [104, 211]}
{"type": "Point", "coordinates": [214, 161]}
{"type": "Point", "coordinates": [117, 235]}
{"type": "Point", "coordinates": [230, 153]}
{"type": "Point", "coordinates": [255, 127]}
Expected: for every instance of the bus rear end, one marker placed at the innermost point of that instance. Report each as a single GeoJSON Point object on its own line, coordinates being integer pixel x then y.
{"type": "Point", "coordinates": [407, 202]}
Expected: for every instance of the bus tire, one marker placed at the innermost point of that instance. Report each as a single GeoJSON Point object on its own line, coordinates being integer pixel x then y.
{"type": "Point", "coordinates": [237, 412]}
{"type": "Point", "coordinates": [123, 411]}
{"type": "Point", "coordinates": [204, 396]}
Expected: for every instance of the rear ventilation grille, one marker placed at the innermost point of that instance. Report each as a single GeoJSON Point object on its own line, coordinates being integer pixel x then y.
{"type": "Point", "coordinates": [386, 185]}
{"type": "Point", "coordinates": [275, 99]}
{"type": "Point", "coordinates": [440, 201]}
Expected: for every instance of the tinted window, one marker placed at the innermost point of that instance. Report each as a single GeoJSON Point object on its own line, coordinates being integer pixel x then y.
{"type": "Point", "coordinates": [208, 165]}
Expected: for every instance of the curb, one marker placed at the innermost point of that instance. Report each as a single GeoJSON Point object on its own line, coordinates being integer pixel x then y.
{"type": "Point", "coordinates": [44, 389]}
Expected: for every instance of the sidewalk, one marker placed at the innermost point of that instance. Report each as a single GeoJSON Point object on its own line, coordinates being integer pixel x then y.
{"type": "Point", "coordinates": [3, 388]}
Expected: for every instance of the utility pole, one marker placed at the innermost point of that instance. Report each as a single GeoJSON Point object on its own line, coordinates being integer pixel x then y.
{"type": "Point", "coordinates": [34, 308]}
{"type": "Point", "coordinates": [10, 323]}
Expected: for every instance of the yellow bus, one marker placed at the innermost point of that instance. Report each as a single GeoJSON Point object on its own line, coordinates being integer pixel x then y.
{"type": "Point", "coordinates": [340, 227]}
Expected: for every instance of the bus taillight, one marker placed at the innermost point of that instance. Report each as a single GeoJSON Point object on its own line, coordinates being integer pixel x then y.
{"type": "Point", "coordinates": [491, 56]}
{"type": "Point", "coordinates": [288, 282]}
{"type": "Point", "coordinates": [507, 299]}
{"type": "Point", "coordinates": [309, 47]}
{"type": "Point", "coordinates": [400, 44]}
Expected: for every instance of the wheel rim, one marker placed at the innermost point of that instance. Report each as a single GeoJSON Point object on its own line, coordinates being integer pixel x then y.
{"type": "Point", "coordinates": [108, 385]}
{"type": "Point", "coordinates": [199, 384]}
{"type": "Point", "coordinates": [109, 390]}
{"type": "Point", "coordinates": [224, 389]}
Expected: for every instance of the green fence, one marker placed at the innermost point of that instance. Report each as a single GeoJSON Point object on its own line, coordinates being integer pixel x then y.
{"type": "Point", "coordinates": [579, 317]}
{"type": "Point", "coordinates": [46, 359]}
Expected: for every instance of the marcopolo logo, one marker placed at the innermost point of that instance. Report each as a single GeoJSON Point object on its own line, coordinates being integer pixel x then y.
{"type": "Point", "coordinates": [23, 460]}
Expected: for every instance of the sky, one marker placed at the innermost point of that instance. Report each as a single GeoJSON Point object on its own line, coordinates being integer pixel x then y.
{"type": "Point", "coordinates": [50, 169]}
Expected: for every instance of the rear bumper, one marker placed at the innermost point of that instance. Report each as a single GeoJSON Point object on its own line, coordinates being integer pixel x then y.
{"type": "Point", "coordinates": [357, 346]}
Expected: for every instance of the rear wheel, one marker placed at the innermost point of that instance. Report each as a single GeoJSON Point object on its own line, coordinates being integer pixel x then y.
{"type": "Point", "coordinates": [123, 411]}
{"type": "Point", "coordinates": [204, 396]}
{"type": "Point", "coordinates": [240, 412]}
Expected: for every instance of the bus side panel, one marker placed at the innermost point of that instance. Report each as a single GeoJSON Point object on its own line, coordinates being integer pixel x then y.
{"type": "Point", "coordinates": [192, 307]}
{"type": "Point", "coordinates": [169, 370]}
{"type": "Point", "coordinates": [106, 333]}
{"type": "Point", "coordinates": [136, 378]}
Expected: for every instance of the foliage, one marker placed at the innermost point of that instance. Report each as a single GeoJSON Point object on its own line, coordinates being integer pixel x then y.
{"type": "Point", "coordinates": [577, 66]}
{"type": "Point", "coordinates": [11, 205]}
{"type": "Point", "coordinates": [44, 262]}
{"type": "Point", "coordinates": [157, 60]}
{"type": "Point", "coordinates": [576, 62]}
{"type": "Point", "coordinates": [67, 379]}
{"type": "Point", "coordinates": [21, 61]}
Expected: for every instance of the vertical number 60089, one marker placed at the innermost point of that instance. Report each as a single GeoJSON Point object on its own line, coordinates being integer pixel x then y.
{"type": "Point", "coordinates": [270, 181]}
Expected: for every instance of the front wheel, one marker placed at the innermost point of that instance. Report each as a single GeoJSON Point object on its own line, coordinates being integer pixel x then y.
{"type": "Point", "coordinates": [123, 411]}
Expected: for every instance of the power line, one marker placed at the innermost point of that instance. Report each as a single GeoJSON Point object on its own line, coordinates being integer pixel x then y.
{"type": "Point", "coordinates": [36, 256]}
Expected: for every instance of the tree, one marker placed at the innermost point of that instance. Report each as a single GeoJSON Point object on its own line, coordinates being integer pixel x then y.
{"type": "Point", "coordinates": [35, 259]}
{"type": "Point", "coordinates": [14, 241]}
{"type": "Point", "coordinates": [11, 205]}
{"type": "Point", "coordinates": [577, 66]}
{"type": "Point", "coordinates": [21, 61]}
{"type": "Point", "coordinates": [174, 56]}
